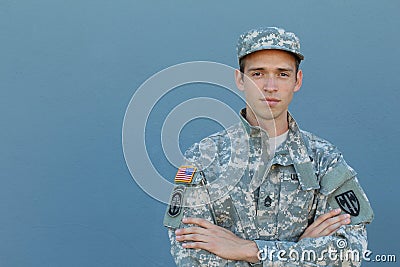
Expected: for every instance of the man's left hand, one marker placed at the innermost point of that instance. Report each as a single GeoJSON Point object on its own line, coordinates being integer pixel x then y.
{"type": "Point", "coordinates": [215, 239]}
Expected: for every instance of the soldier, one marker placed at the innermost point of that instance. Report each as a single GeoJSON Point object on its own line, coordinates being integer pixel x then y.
{"type": "Point", "coordinates": [263, 192]}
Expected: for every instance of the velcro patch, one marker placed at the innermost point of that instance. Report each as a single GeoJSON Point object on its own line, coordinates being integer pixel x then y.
{"type": "Point", "coordinates": [336, 177]}
{"type": "Point", "coordinates": [348, 202]}
{"type": "Point", "coordinates": [351, 199]}
{"type": "Point", "coordinates": [174, 212]}
{"type": "Point", "coordinates": [185, 174]}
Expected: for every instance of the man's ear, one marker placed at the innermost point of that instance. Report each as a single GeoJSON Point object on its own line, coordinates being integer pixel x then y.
{"type": "Point", "coordinates": [239, 80]}
{"type": "Point", "coordinates": [299, 81]}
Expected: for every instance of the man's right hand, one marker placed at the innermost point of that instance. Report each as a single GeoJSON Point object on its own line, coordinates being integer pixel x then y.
{"type": "Point", "coordinates": [326, 224]}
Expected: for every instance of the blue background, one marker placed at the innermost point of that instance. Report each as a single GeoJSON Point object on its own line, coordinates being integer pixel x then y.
{"type": "Point", "coordinates": [69, 68]}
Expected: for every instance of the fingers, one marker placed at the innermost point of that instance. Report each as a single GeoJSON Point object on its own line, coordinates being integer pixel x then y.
{"type": "Point", "coordinates": [204, 231]}
{"type": "Point", "coordinates": [330, 226]}
{"type": "Point", "coordinates": [195, 237]}
{"type": "Point", "coordinates": [192, 237]}
{"type": "Point", "coordinates": [204, 228]}
{"type": "Point", "coordinates": [326, 216]}
{"type": "Point", "coordinates": [191, 230]}
{"type": "Point", "coordinates": [195, 234]}
{"type": "Point", "coordinates": [198, 221]}
{"type": "Point", "coordinates": [326, 224]}
{"type": "Point", "coordinates": [196, 245]}
{"type": "Point", "coordinates": [206, 224]}
{"type": "Point", "coordinates": [333, 224]}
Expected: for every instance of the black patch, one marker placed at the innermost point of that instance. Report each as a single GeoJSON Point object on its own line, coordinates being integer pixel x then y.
{"type": "Point", "coordinates": [175, 205]}
{"type": "Point", "coordinates": [294, 176]}
{"type": "Point", "coordinates": [349, 203]}
{"type": "Point", "coordinates": [268, 201]}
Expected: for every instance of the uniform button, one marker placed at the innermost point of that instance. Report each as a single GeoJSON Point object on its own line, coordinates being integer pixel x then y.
{"type": "Point", "coordinates": [268, 201]}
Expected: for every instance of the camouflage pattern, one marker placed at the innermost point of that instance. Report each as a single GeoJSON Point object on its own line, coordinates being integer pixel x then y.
{"type": "Point", "coordinates": [268, 38]}
{"type": "Point", "coordinates": [274, 199]}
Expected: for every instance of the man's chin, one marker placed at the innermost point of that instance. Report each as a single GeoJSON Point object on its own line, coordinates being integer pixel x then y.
{"type": "Point", "coordinates": [267, 115]}
{"type": "Point", "coordinates": [270, 115]}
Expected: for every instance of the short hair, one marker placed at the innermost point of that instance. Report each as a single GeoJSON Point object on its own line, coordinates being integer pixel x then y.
{"type": "Point", "coordinates": [242, 61]}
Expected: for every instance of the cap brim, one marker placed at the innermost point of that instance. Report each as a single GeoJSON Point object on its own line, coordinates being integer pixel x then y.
{"type": "Point", "coordinates": [273, 47]}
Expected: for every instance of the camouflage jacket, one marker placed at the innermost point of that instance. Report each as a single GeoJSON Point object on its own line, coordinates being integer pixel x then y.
{"type": "Point", "coordinates": [271, 199]}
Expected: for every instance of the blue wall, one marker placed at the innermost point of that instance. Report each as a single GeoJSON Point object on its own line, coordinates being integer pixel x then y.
{"type": "Point", "coordinates": [68, 70]}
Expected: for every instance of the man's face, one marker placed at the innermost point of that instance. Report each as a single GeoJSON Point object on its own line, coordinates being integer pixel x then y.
{"type": "Point", "coordinates": [269, 82]}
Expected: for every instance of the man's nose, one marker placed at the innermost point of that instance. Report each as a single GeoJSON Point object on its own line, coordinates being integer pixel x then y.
{"type": "Point", "coordinates": [270, 84]}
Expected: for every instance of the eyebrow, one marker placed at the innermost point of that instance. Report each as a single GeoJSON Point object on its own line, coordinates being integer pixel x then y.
{"type": "Point", "coordinates": [286, 69]}
{"type": "Point", "coordinates": [263, 69]}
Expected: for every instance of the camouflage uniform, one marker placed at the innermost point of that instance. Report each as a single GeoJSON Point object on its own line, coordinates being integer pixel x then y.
{"type": "Point", "coordinates": [274, 199]}
{"type": "Point", "coordinates": [270, 199]}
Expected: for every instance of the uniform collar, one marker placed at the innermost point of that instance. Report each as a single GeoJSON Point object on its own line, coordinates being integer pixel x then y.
{"type": "Point", "coordinates": [255, 130]}
{"type": "Point", "coordinates": [302, 161]}
{"type": "Point", "coordinates": [252, 131]}
{"type": "Point", "coordinates": [295, 146]}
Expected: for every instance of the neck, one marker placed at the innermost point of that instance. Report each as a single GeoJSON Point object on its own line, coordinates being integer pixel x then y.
{"type": "Point", "coordinates": [274, 126]}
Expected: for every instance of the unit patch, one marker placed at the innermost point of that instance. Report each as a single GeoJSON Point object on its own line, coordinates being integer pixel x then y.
{"type": "Point", "coordinates": [175, 205]}
{"type": "Point", "coordinates": [349, 203]}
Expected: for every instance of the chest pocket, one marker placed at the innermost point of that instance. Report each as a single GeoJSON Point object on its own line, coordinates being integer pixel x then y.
{"type": "Point", "coordinates": [283, 206]}
{"type": "Point", "coordinates": [295, 204]}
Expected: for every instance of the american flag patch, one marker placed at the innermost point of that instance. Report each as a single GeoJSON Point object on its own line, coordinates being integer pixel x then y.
{"type": "Point", "coordinates": [185, 174]}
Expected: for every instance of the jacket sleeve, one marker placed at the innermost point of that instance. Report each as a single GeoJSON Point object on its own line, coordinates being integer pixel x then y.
{"type": "Point", "coordinates": [193, 257]}
{"type": "Point", "coordinates": [195, 203]}
{"type": "Point", "coordinates": [339, 189]}
{"type": "Point", "coordinates": [344, 248]}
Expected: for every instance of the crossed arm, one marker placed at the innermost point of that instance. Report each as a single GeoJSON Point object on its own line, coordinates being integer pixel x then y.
{"type": "Point", "coordinates": [223, 243]}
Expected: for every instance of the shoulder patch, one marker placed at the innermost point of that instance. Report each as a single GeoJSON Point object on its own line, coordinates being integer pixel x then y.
{"type": "Point", "coordinates": [174, 212]}
{"type": "Point", "coordinates": [176, 202]}
{"type": "Point", "coordinates": [348, 202]}
{"type": "Point", "coordinates": [351, 199]}
{"type": "Point", "coordinates": [185, 174]}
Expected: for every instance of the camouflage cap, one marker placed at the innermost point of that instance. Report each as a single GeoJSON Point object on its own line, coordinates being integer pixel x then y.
{"type": "Point", "coordinates": [268, 38]}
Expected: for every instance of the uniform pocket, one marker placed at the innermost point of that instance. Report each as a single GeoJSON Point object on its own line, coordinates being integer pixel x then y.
{"type": "Point", "coordinates": [294, 205]}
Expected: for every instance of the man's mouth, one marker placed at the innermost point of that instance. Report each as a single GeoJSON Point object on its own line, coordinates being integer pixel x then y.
{"type": "Point", "coordinates": [271, 101]}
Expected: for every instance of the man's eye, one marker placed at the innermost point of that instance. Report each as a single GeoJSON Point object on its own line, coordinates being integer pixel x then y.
{"type": "Point", "coordinates": [283, 74]}
{"type": "Point", "coordinates": [256, 74]}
